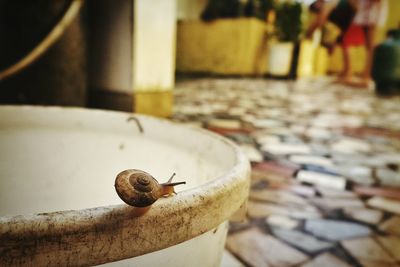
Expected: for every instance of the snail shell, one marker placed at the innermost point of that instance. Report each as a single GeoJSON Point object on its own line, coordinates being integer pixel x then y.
{"type": "Point", "coordinates": [137, 188]}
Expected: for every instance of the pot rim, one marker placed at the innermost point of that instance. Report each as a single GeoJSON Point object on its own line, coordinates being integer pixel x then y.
{"type": "Point", "coordinates": [111, 233]}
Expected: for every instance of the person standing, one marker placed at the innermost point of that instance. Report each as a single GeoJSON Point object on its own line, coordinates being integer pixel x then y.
{"type": "Point", "coordinates": [370, 15]}
{"type": "Point", "coordinates": [341, 13]}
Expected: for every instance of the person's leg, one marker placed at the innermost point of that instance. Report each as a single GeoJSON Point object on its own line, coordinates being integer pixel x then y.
{"type": "Point", "coordinates": [369, 32]}
{"type": "Point", "coordinates": [345, 75]}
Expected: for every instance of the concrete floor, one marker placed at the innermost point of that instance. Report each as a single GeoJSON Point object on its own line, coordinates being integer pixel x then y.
{"type": "Point", "coordinates": [325, 169]}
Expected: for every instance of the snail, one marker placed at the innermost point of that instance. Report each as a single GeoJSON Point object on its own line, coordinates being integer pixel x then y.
{"type": "Point", "coordinates": [140, 190]}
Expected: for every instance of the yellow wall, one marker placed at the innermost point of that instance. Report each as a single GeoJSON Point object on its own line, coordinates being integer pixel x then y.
{"type": "Point", "coordinates": [190, 9]}
{"type": "Point", "coordinates": [393, 20]}
{"type": "Point", "coordinates": [357, 60]}
{"type": "Point", "coordinates": [306, 66]}
{"type": "Point", "coordinates": [224, 46]}
{"type": "Point", "coordinates": [238, 46]}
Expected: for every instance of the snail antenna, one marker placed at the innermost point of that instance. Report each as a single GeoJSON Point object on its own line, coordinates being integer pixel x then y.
{"type": "Point", "coordinates": [170, 179]}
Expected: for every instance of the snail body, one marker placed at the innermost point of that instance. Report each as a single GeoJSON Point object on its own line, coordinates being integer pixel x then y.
{"type": "Point", "coordinates": [140, 189]}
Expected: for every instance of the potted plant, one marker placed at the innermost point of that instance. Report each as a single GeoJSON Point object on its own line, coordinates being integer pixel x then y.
{"type": "Point", "coordinates": [287, 31]}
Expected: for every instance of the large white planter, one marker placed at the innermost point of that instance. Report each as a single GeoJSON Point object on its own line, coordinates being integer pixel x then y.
{"type": "Point", "coordinates": [57, 198]}
{"type": "Point", "coordinates": [280, 58]}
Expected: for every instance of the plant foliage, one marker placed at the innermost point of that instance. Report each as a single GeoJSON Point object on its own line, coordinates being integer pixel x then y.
{"type": "Point", "coordinates": [288, 21]}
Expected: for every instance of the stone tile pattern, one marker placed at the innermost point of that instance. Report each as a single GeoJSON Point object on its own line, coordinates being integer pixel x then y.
{"type": "Point", "coordinates": [368, 251]}
{"type": "Point", "coordinates": [260, 249]}
{"type": "Point", "coordinates": [326, 260]}
{"type": "Point", "coordinates": [302, 241]}
{"type": "Point", "coordinates": [335, 230]}
{"type": "Point", "coordinates": [311, 143]}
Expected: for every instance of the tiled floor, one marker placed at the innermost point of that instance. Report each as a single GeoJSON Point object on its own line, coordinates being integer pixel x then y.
{"type": "Point", "coordinates": [326, 169]}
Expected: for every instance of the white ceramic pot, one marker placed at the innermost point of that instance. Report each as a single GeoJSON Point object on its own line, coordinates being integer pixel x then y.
{"type": "Point", "coordinates": [280, 58]}
{"type": "Point", "coordinates": [58, 205]}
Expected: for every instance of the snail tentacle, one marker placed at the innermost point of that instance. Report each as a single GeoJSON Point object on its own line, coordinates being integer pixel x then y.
{"type": "Point", "coordinates": [172, 177]}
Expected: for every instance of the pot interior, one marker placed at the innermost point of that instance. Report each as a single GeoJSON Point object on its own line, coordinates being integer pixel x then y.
{"type": "Point", "coordinates": [56, 159]}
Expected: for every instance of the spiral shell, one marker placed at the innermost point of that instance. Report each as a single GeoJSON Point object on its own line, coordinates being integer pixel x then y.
{"type": "Point", "coordinates": [137, 188]}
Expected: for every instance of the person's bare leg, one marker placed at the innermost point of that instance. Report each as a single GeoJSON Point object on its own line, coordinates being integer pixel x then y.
{"type": "Point", "coordinates": [369, 32]}
{"type": "Point", "coordinates": [345, 75]}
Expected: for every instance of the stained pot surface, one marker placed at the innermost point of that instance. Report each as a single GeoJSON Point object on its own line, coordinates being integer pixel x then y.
{"type": "Point", "coordinates": [63, 162]}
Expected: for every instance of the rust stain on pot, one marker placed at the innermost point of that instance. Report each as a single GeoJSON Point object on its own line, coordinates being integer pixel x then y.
{"type": "Point", "coordinates": [54, 237]}
{"type": "Point", "coordinates": [111, 233]}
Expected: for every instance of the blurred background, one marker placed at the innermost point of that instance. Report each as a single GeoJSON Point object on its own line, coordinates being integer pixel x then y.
{"type": "Point", "coordinates": [109, 52]}
{"type": "Point", "coordinates": [308, 89]}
